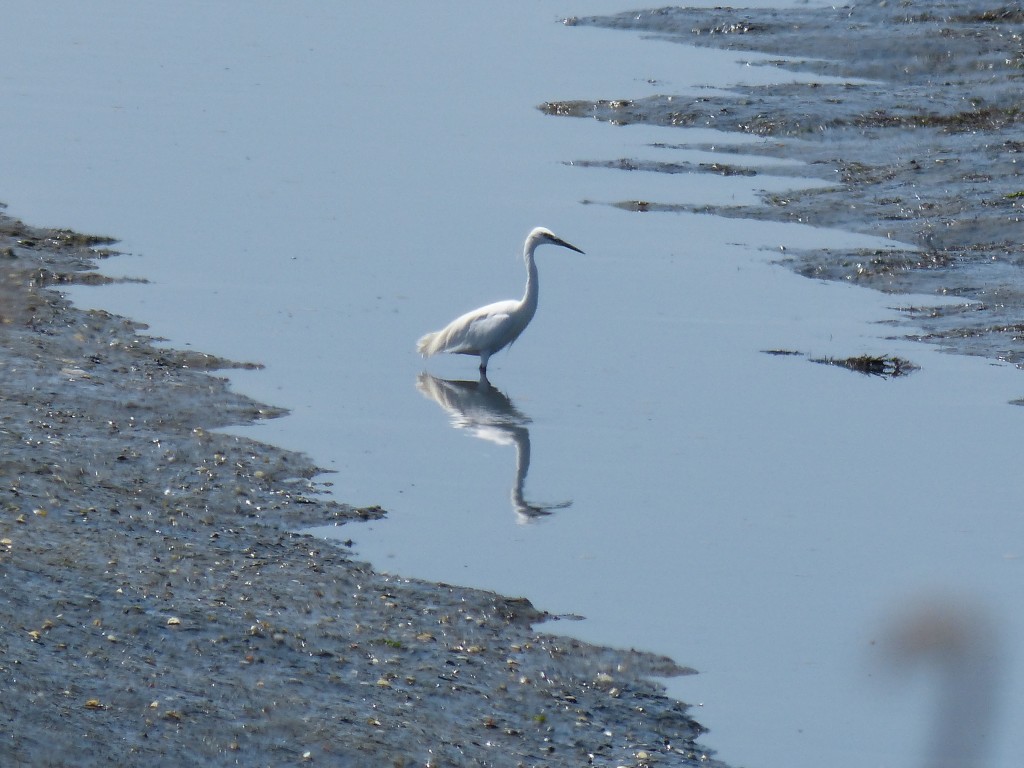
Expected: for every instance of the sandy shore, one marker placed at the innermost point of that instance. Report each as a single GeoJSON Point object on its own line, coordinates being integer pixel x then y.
{"type": "Point", "coordinates": [157, 608]}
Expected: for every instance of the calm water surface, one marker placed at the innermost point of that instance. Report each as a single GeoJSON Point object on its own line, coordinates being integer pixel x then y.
{"type": "Point", "coordinates": [315, 188]}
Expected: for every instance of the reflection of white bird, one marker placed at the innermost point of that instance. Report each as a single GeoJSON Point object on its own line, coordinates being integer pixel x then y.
{"type": "Point", "coordinates": [489, 329]}
{"type": "Point", "coordinates": [488, 414]}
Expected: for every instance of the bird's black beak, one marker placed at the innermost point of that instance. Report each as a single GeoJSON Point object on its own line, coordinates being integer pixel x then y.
{"type": "Point", "coordinates": [570, 246]}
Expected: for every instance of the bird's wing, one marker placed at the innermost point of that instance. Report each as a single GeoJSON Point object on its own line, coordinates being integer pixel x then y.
{"type": "Point", "coordinates": [474, 331]}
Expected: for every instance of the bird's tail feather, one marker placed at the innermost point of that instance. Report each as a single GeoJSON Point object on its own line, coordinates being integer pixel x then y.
{"type": "Point", "coordinates": [427, 345]}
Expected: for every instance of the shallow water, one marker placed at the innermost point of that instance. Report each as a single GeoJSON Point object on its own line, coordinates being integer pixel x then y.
{"type": "Point", "coordinates": [304, 191]}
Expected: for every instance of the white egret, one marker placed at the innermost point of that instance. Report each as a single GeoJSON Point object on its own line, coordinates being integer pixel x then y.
{"type": "Point", "coordinates": [489, 329]}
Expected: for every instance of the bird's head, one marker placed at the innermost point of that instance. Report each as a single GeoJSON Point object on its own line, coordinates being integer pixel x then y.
{"type": "Point", "coordinates": [542, 235]}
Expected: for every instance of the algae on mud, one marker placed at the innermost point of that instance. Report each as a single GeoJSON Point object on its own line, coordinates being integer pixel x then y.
{"type": "Point", "coordinates": [157, 607]}
{"type": "Point", "coordinates": [921, 138]}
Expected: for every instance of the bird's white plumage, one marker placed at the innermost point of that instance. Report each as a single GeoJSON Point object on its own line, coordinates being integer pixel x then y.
{"type": "Point", "coordinates": [491, 328]}
{"type": "Point", "coordinates": [474, 331]}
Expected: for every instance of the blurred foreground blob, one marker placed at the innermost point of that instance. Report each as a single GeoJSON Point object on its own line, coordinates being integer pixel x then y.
{"type": "Point", "coordinates": [957, 641]}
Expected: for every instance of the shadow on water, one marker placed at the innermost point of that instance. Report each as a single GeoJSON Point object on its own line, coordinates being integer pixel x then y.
{"type": "Point", "coordinates": [489, 414]}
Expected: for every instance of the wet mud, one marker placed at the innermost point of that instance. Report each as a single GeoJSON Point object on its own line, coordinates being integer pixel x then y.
{"type": "Point", "coordinates": [158, 609]}
{"type": "Point", "coordinates": [921, 143]}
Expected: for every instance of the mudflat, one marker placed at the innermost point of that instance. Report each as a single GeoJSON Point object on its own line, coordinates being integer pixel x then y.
{"type": "Point", "coordinates": [157, 607]}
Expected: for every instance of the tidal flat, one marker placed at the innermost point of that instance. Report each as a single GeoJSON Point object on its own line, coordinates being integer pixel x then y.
{"type": "Point", "coordinates": [911, 111]}
{"type": "Point", "coordinates": [158, 606]}
{"type": "Point", "coordinates": [159, 609]}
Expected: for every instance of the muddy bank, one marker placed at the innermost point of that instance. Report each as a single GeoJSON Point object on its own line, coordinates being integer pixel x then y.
{"type": "Point", "coordinates": [156, 610]}
{"type": "Point", "coordinates": [921, 139]}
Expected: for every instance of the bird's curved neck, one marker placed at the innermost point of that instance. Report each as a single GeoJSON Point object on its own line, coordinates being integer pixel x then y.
{"type": "Point", "coordinates": [532, 283]}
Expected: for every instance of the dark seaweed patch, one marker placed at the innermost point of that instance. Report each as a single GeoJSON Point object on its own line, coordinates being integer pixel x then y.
{"type": "Point", "coordinates": [885, 366]}
{"type": "Point", "coordinates": [871, 365]}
